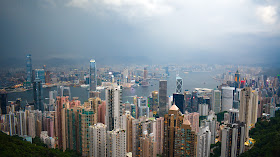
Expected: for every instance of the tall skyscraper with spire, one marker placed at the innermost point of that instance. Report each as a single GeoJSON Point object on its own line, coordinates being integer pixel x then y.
{"type": "Point", "coordinates": [92, 75]}
{"type": "Point", "coordinates": [28, 68]}
{"type": "Point", "coordinates": [179, 85]}
{"type": "Point", "coordinates": [28, 71]}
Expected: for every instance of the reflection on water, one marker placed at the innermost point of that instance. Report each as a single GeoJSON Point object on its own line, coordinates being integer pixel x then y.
{"type": "Point", "coordinates": [190, 81]}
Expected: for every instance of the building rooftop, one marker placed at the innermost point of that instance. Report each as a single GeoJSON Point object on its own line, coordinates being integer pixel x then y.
{"type": "Point", "coordinates": [186, 122]}
{"type": "Point", "coordinates": [174, 108]}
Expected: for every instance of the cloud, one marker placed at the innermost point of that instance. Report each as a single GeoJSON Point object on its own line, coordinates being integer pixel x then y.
{"type": "Point", "coordinates": [128, 8]}
{"type": "Point", "coordinates": [268, 14]}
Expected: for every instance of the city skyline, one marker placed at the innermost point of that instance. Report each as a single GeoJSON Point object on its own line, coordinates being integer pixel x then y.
{"type": "Point", "coordinates": [140, 78]}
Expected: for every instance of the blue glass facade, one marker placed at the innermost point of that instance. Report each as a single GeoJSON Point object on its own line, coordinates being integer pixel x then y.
{"type": "Point", "coordinates": [37, 94]}
{"type": "Point", "coordinates": [92, 75]}
{"type": "Point", "coordinates": [28, 68]}
{"type": "Point", "coordinates": [40, 73]}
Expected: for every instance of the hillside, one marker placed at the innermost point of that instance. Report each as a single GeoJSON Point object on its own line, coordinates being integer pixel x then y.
{"type": "Point", "coordinates": [15, 146]}
{"type": "Point", "coordinates": [267, 136]}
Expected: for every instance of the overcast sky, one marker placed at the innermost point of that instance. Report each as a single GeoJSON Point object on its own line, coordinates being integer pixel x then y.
{"type": "Point", "coordinates": [140, 31]}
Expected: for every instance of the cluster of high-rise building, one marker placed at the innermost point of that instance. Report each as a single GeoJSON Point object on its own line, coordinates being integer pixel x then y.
{"type": "Point", "coordinates": [184, 124]}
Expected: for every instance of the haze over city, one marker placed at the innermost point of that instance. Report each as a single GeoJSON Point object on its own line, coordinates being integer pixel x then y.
{"type": "Point", "coordinates": [140, 31]}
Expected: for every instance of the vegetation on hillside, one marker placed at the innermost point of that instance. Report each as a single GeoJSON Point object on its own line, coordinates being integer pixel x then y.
{"type": "Point", "coordinates": [267, 136]}
{"type": "Point", "coordinates": [16, 146]}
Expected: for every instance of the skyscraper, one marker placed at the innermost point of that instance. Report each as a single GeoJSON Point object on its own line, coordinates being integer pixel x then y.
{"type": "Point", "coordinates": [37, 94]}
{"type": "Point", "coordinates": [21, 123]}
{"type": "Point", "coordinates": [179, 85]}
{"type": "Point", "coordinates": [3, 101]}
{"type": "Point", "coordinates": [248, 108]}
{"type": "Point", "coordinates": [162, 97]}
{"type": "Point", "coordinates": [116, 143]}
{"type": "Point", "coordinates": [137, 133]}
{"type": "Point", "coordinates": [179, 139]}
{"type": "Point", "coordinates": [159, 134]}
{"type": "Point", "coordinates": [61, 121]}
{"type": "Point", "coordinates": [145, 73]}
{"type": "Point", "coordinates": [203, 142]}
{"type": "Point", "coordinates": [92, 75]}
{"type": "Point", "coordinates": [94, 104]}
{"type": "Point", "coordinates": [188, 101]}
{"type": "Point", "coordinates": [147, 145]}
{"type": "Point", "coordinates": [113, 97]}
{"type": "Point", "coordinates": [216, 101]}
{"type": "Point", "coordinates": [97, 140]}
{"type": "Point", "coordinates": [143, 107]}
{"type": "Point", "coordinates": [28, 68]}
{"type": "Point", "coordinates": [233, 139]}
{"type": "Point", "coordinates": [237, 79]}
{"type": "Point", "coordinates": [193, 118]}
{"type": "Point", "coordinates": [179, 101]}
{"type": "Point", "coordinates": [86, 116]}
{"type": "Point", "coordinates": [154, 104]}
{"type": "Point", "coordinates": [40, 74]}
{"type": "Point", "coordinates": [227, 98]}
{"type": "Point", "coordinates": [129, 120]}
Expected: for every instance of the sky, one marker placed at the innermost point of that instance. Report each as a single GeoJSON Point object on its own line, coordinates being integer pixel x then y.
{"type": "Point", "coordinates": [140, 31]}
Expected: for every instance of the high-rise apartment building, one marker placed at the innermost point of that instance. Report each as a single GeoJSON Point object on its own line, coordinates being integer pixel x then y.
{"type": "Point", "coordinates": [179, 139]}
{"type": "Point", "coordinates": [116, 143]}
{"type": "Point", "coordinates": [162, 97]}
{"type": "Point", "coordinates": [233, 139]}
{"type": "Point", "coordinates": [147, 145]}
{"type": "Point", "coordinates": [137, 133]}
{"type": "Point", "coordinates": [193, 118]}
{"type": "Point", "coordinates": [233, 115]}
{"type": "Point", "coordinates": [61, 105]}
{"type": "Point", "coordinates": [203, 142]}
{"type": "Point", "coordinates": [21, 123]}
{"type": "Point", "coordinates": [129, 120]}
{"type": "Point", "coordinates": [114, 107]}
{"type": "Point", "coordinates": [86, 119]}
{"type": "Point", "coordinates": [31, 125]}
{"type": "Point", "coordinates": [97, 147]}
{"type": "Point", "coordinates": [101, 112]}
{"type": "Point", "coordinates": [159, 134]}
{"type": "Point", "coordinates": [94, 104]}
{"type": "Point", "coordinates": [248, 108]}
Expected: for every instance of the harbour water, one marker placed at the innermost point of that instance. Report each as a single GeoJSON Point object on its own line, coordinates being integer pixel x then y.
{"type": "Point", "coordinates": [191, 80]}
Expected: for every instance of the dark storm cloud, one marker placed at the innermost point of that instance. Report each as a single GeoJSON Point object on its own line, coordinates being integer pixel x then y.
{"type": "Point", "coordinates": [241, 32]}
